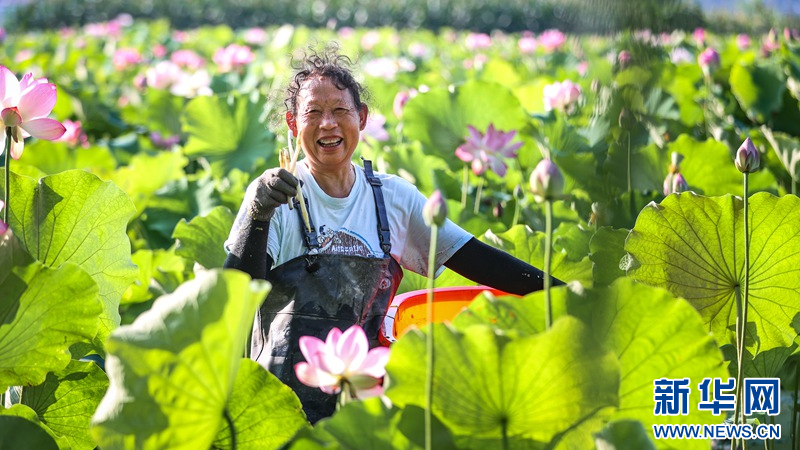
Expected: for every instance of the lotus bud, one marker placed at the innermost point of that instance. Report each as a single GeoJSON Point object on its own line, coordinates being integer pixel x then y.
{"type": "Point", "coordinates": [679, 184]}
{"type": "Point", "coordinates": [747, 157]}
{"type": "Point", "coordinates": [708, 60]}
{"type": "Point", "coordinates": [625, 119]}
{"type": "Point", "coordinates": [624, 58]}
{"type": "Point", "coordinates": [435, 210]}
{"type": "Point", "coordinates": [546, 181]}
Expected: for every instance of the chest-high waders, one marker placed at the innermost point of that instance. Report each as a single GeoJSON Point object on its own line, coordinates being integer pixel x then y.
{"type": "Point", "coordinates": [313, 293]}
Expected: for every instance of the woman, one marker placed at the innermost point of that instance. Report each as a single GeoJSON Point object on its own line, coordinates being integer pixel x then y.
{"type": "Point", "coordinates": [365, 226]}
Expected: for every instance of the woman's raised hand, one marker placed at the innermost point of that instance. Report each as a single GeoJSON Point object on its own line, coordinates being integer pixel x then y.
{"type": "Point", "coordinates": [274, 187]}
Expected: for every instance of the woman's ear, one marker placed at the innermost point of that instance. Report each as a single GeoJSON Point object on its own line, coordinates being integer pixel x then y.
{"type": "Point", "coordinates": [362, 115]}
{"type": "Point", "coordinates": [291, 121]}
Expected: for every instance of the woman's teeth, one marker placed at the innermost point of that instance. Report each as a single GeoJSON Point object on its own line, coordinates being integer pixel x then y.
{"type": "Point", "coordinates": [328, 143]}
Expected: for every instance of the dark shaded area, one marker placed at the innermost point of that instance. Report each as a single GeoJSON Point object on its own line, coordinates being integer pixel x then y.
{"type": "Point", "coordinates": [577, 16]}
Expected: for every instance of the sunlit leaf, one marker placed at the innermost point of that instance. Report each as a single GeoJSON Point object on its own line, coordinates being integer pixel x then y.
{"type": "Point", "coordinates": [532, 388]}
{"type": "Point", "coordinates": [172, 371]}
{"type": "Point", "coordinates": [67, 399]}
{"type": "Point", "coordinates": [265, 412]}
{"type": "Point", "coordinates": [693, 246]}
{"type": "Point", "coordinates": [758, 88]}
{"type": "Point", "coordinates": [624, 435]}
{"type": "Point", "coordinates": [606, 249]}
{"type": "Point", "coordinates": [200, 238]}
{"type": "Point", "coordinates": [230, 133]}
{"type": "Point", "coordinates": [42, 312]}
{"type": "Point", "coordinates": [74, 217]}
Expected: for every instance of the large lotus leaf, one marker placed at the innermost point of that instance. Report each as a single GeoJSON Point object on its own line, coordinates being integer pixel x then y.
{"type": "Point", "coordinates": [66, 401]}
{"type": "Point", "coordinates": [200, 238]}
{"type": "Point", "coordinates": [709, 170]}
{"type": "Point", "coordinates": [606, 249]}
{"type": "Point", "coordinates": [265, 412]}
{"type": "Point", "coordinates": [172, 370]}
{"type": "Point", "coordinates": [229, 132]}
{"type": "Point", "coordinates": [532, 388]}
{"type": "Point", "coordinates": [624, 435]}
{"type": "Point", "coordinates": [653, 334]}
{"type": "Point", "coordinates": [25, 412]}
{"type": "Point", "coordinates": [145, 174]}
{"type": "Point", "coordinates": [42, 312]}
{"type": "Point", "coordinates": [693, 246]}
{"type": "Point", "coordinates": [160, 272]}
{"type": "Point", "coordinates": [17, 433]}
{"type": "Point", "coordinates": [53, 157]}
{"type": "Point", "coordinates": [74, 217]}
{"type": "Point", "coordinates": [388, 428]}
{"type": "Point", "coordinates": [439, 118]}
{"type": "Point", "coordinates": [529, 246]}
{"type": "Point", "coordinates": [758, 88]}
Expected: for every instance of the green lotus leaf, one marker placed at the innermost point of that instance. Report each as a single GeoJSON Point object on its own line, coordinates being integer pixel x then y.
{"type": "Point", "coordinates": [200, 238]}
{"type": "Point", "coordinates": [145, 174]}
{"type": "Point", "coordinates": [53, 157]}
{"type": "Point", "coordinates": [758, 88]}
{"type": "Point", "coordinates": [172, 370]}
{"type": "Point", "coordinates": [25, 412]}
{"type": "Point", "coordinates": [606, 249]}
{"type": "Point", "coordinates": [388, 428]}
{"type": "Point", "coordinates": [624, 435]}
{"type": "Point", "coordinates": [160, 272]}
{"type": "Point", "coordinates": [43, 311]}
{"type": "Point", "coordinates": [653, 334]}
{"type": "Point", "coordinates": [17, 433]}
{"type": "Point", "coordinates": [532, 388]}
{"type": "Point", "coordinates": [709, 170]}
{"type": "Point", "coordinates": [265, 412]}
{"type": "Point", "coordinates": [476, 103]}
{"type": "Point", "coordinates": [529, 246]}
{"type": "Point", "coordinates": [693, 246]}
{"type": "Point", "coordinates": [66, 401]}
{"type": "Point", "coordinates": [229, 132]}
{"type": "Point", "coordinates": [74, 217]}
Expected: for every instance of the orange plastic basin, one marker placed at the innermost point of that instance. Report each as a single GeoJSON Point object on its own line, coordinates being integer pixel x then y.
{"type": "Point", "coordinates": [411, 309]}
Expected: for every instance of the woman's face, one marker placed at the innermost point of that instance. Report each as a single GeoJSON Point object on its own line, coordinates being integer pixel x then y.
{"type": "Point", "coordinates": [328, 124]}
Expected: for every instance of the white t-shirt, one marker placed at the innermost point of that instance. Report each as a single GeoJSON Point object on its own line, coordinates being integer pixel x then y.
{"type": "Point", "coordinates": [350, 225]}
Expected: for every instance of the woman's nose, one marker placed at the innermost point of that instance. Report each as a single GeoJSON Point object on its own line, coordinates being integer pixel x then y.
{"type": "Point", "coordinates": [328, 120]}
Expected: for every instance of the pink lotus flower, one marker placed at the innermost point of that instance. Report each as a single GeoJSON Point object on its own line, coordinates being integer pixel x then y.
{"type": "Point", "coordinates": [24, 107]}
{"type": "Point", "coordinates": [708, 60]}
{"type": "Point", "coordinates": [192, 85]}
{"type": "Point", "coordinates": [74, 135]}
{"type": "Point", "coordinates": [552, 40]}
{"type": "Point", "coordinates": [343, 360]}
{"type": "Point", "coordinates": [400, 101]}
{"type": "Point", "coordinates": [375, 128]}
{"type": "Point", "coordinates": [699, 36]}
{"type": "Point", "coordinates": [159, 51]}
{"type": "Point", "coordinates": [188, 59]}
{"type": "Point", "coordinates": [742, 41]}
{"type": "Point", "coordinates": [561, 95]}
{"type": "Point", "coordinates": [233, 57]}
{"type": "Point", "coordinates": [126, 57]}
{"type": "Point", "coordinates": [546, 182]}
{"type": "Point", "coordinates": [486, 151]}
{"type": "Point", "coordinates": [680, 55]}
{"type": "Point", "coordinates": [478, 41]}
{"type": "Point", "coordinates": [624, 58]}
{"type": "Point", "coordinates": [163, 75]}
{"type": "Point", "coordinates": [255, 36]}
{"type": "Point", "coordinates": [527, 43]}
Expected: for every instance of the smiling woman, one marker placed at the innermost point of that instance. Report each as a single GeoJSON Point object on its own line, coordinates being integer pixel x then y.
{"type": "Point", "coordinates": [342, 264]}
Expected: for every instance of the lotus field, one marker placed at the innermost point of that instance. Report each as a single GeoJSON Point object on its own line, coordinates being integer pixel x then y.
{"type": "Point", "coordinates": [666, 197]}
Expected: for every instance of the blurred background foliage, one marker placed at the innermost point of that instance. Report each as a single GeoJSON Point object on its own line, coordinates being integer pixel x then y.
{"type": "Point", "coordinates": [574, 16]}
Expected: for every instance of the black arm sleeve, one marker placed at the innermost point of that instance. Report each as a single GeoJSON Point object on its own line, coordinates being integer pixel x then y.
{"type": "Point", "coordinates": [249, 252]}
{"type": "Point", "coordinates": [489, 266]}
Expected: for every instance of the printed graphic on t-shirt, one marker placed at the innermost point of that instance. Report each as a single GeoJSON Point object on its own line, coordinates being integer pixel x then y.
{"type": "Point", "coordinates": [342, 242]}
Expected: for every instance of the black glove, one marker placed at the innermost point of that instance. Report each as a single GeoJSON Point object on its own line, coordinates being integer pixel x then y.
{"type": "Point", "coordinates": [273, 188]}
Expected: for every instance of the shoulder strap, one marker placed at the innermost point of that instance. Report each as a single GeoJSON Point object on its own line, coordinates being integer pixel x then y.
{"type": "Point", "coordinates": [380, 206]}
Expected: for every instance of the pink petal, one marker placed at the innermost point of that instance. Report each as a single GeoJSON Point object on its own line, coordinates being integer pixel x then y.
{"type": "Point", "coordinates": [374, 364]}
{"type": "Point", "coordinates": [331, 363]}
{"type": "Point", "coordinates": [37, 101]}
{"type": "Point", "coordinates": [352, 347]}
{"type": "Point", "coordinates": [475, 135]}
{"type": "Point", "coordinates": [498, 166]}
{"type": "Point", "coordinates": [28, 81]}
{"type": "Point", "coordinates": [17, 146]}
{"type": "Point", "coordinates": [360, 382]}
{"type": "Point", "coordinates": [311, 348]}
{"type": "Point", "coordinates": [312, 377]}
{"type": "Point", "coordinates": [477, 167]}
{"type": "Point", "coordinates": [511, 151]}
{"type": "Point", "coordinates": [376, 391]}
{"type": "Point", "coordinates": [44, 128]}
{"type": "Point", "coordinates": [9, 85]}
{"type": "Point", "coordinates": [464, 154]}
{"type": "Point", "coordinates": [333, 338]}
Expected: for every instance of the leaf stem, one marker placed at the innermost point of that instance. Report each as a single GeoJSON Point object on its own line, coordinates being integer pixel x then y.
{"type": "Point", "coordinates": [229, 419]}
{"type": "Point", "coordinates": [7, 173]}
{"type": "Point", "coordinates": [794, 404]}
{"type": "Point", "coordinates": [476, 208]}
{"type": "Point", "coordinates": [464, 186]}
{"type": "Point", "coordinates": [548, 237]}
{"type": "Point", "coordinates": [429, 340]}
{"type": "Point", "coordinates": [630, 179]}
